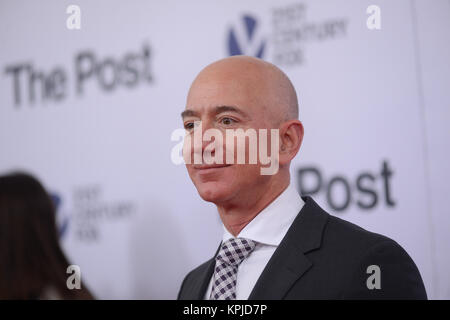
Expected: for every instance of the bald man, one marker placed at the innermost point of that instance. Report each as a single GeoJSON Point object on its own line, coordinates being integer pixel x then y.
{"type": "Point", "coordinates": [276, 244]}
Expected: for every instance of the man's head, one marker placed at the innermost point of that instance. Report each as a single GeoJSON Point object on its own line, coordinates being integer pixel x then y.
{"type": "Point", "coordinates": [242, 92]}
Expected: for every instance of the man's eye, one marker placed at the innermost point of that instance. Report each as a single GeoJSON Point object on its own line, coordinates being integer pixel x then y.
{"type": "Point", "coordinates": [189, 126]}
{"type": "Point", "coordinates": [227, 121]}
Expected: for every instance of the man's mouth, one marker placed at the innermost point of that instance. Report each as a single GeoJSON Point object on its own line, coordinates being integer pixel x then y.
{"type": "Point", "coordinates": [211, 166]}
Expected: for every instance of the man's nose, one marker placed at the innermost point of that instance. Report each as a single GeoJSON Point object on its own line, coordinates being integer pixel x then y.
{"type": "Point", "coordinates": [210, 139]}
{"type": "Point", "coordinates": [200, 144]}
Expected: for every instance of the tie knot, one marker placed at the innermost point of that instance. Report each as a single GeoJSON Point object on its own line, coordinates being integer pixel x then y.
{"type": "Point", "coordinates": [234, 250]}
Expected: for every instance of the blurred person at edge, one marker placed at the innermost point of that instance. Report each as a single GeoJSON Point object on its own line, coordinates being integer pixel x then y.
{"type": "Point", "coordinates": [33, 265]}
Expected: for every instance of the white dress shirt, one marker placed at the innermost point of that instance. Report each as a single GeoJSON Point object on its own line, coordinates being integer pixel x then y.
{"type": "Point", "coordinates": [268, 228]}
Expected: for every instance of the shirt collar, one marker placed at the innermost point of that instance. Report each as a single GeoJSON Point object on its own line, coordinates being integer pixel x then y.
{"type": "Point", "coordinates": [272, 223]}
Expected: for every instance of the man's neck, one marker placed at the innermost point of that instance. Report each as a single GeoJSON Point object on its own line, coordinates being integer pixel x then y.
{"type": "Point", "coordinates": [235, 216]}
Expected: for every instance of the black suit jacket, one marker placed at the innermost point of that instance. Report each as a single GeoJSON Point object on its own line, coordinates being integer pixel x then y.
{"type": "Point", "coordinates": [324, 257]}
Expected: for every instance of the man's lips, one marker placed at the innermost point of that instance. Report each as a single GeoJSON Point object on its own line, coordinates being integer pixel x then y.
{"type": "Point", "coordinates": [211, 166]}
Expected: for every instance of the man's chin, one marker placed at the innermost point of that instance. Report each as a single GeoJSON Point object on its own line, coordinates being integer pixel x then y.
{"type": "Point", "coordinates": [210, 192]}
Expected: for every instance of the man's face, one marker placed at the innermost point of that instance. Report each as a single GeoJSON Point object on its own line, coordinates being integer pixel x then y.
{"type": "Point", "coordinates": [224, 104]}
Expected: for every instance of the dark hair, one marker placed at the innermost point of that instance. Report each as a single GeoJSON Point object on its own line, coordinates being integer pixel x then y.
{"type": "Point", "coordinates": [31, 259]}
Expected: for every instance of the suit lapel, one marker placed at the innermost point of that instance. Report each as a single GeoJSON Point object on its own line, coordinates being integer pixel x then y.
{"type": "Point", "coordinates": [199, 288]}
{"type": "Point", "coordinates": [289, 262]}
{"type": "Point", "coordinates": [285, 267]}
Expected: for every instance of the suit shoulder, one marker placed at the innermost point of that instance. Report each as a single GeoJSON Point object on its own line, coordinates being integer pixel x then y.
{"type": "Point", "coordinates": [352, 241]}
{"type": "Point", "coordinates": [360, 248]}
{"type": "Point", "coordinates": [338, 233]}
{"type": "Point", "coordinates": [350, 235]}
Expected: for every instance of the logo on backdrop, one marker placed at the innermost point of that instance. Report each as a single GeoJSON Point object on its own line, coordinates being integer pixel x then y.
{"type": "Point", "coordinates": [289, 32]}
{"type": "Point", "coordinates": [62, 219]}
{"type": "Point", "coordinates": [245, 38]}
{"type": "Point", "coordinates": [32, 84]}
{"type": "Point", "coordinates": [366, 191]}
{"type": "Point", "coordinates": [89, 212]}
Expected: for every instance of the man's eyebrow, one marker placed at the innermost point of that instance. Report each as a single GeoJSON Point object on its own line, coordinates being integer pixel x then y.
{"type": "Point", "coordinates": [217, 110]}
{"type": "Point", "coordinates": [220, 109]}
{"type": "Point", "coordinates": [189, 113]}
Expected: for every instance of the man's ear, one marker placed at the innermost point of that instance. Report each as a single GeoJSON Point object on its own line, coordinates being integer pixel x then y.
{"type": "Point", "coordinates": [291, 137]}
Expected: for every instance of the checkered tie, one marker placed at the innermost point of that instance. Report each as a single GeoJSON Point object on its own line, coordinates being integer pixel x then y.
{"type": "Point", "coordinates": [231, 254]}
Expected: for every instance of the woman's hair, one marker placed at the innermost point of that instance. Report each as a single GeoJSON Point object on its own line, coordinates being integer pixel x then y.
{"type": "Point", "coordinates": [31, 259]}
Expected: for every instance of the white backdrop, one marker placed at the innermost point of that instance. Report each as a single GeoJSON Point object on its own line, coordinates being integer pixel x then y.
{"type": "Point", "coordinates": [91, 111]}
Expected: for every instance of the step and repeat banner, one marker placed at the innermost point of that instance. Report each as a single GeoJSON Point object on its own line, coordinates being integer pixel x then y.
{"type": "Point", "coordinates": [91, 92]}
